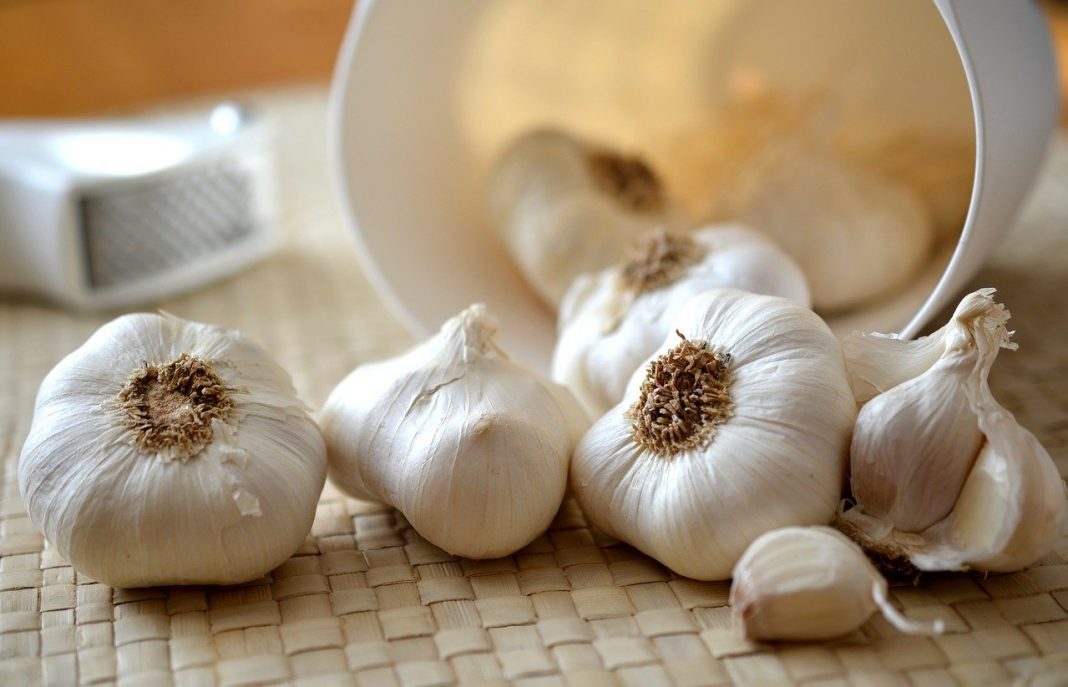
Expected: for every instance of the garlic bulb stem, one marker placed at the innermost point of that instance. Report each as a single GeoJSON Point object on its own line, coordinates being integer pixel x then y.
{"type": "Point", "coordinates": [879, 362]}
{"type": "Point", "coordinates": [656, 259]}
{"type": "Point", "coordinates": [685, 396]}
{"type": "Point", "coordinates": [626, 178]}
{"type": "Point", "coordinates": [172, 406]}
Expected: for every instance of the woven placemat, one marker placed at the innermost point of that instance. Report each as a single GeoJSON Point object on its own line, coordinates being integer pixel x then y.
{"type": "Point", "coordinates": [367, 601]}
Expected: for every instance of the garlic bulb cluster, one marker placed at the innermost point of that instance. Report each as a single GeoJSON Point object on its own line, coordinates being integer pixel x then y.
{"type": "Point", "coordinates": [470, 446]}
{"type": "Point", "coordinates": [808, 583]}
{"type": "Point", "coordinates": [738, 424]}
{"type": "Point", "coordinates": [612, 321]}
{"type": "Point", "coordinates": [565, 207]}
{"type": "Point", "coordinates": [856, 234]}
{"type": "Point", "coordinates": [942, 474]}
{"type": "Point", "coordinates": [170, 452]}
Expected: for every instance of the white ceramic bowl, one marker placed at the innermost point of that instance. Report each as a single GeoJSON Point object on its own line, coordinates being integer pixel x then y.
{"type": "Point", "coordinates": [425, 93]}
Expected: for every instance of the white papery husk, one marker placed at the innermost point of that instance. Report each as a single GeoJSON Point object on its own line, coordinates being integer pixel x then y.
{"type": "Point", "coordinates": [606, 330]}
{"type": "Point", "coordinates": [810, 583]}
{"type": "Point", "coordinates": [470, 446]}
{"type": "Point", "coordinates": [129, 518]}
{"type": "Point", "coordinates": [554, 218]}
{"type": "Point", "coordinates": [1004, 507]}
{"type": "Point", "coordinates": [779, 459]}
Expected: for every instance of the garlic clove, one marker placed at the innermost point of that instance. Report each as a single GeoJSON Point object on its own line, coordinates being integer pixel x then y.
{"type": "Point", "coordinates": [810, 583]}
{"type": "Point", "coordinates": [915, 443]}
{"type": "Point", "coordinates": [170, 452]}
{"type": "Point", "coordinates": [914, 446]}
{"type": "Point", "coordinates": [612, 321]}
{"type": "Point", "coordinates": [470, 446]}
{"type": "Point", "coordinates": [1004, 509]}
{"type": "Point", "coordinates": [856, 235]}
{"type": "Point", "coordinates": [740, 428]}
{"type": "Point", "coordinates": [564, 207]}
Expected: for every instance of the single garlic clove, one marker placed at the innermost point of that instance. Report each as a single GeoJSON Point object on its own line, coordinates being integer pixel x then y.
{"type": "Point", "coordinates": [914, 446]}
{"type": "Point", "coordinates": [470, 446]}
{"type": "Point", "coordinates": [171, 452]}
{"type": "Point", "coordinates": [810, 583]}
{"type": "Point", "coordinates": [612, 321]}
{"type": "Point", "coordinates": [739, 428]}
{"type": "Point", "coordinates": [856, 235]}
{"type": "Point", "coordinates": [565, 207]}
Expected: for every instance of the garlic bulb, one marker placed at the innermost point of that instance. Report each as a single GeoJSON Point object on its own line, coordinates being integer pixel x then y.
{"type": "Point", "coordinates": [565, 207]}
{"type": "Point", "coordinates": [807, 583]}
{"type": "Point", "coordinates": [856, 235]}
{"type": "Point", "coordinates": [170, 452]}
{"type": "Point", "coordinates": [737, 425]}
{"type": "Point", "coordinates": [470, 446]}
{"type": "Point", "coordinates": [612, 321]}
{"type": "Point", "coordinates": [943, 476]}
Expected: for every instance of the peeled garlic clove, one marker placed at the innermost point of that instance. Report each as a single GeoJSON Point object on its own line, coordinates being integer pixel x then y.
{"type": "Point", "coordinates": [169, 452]}
{"type": "Point", "coordinates": [856, 235]}
{"type": "Point", "coordinates": [470, 446]}
{"type": "Point", "coordinates": [612, 321]}
{"type": "Point", "coordinates": [739, 428]}
{"type": "Point", "coordinates": [809, 583]}
{"type": "Point", "coordinates": [565, 207]}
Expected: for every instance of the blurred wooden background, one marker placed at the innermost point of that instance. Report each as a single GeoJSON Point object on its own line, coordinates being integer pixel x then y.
{"type": "Point", "coordinates": [60, 57]}
{"type": "Point", "coordinates": [63, 57]}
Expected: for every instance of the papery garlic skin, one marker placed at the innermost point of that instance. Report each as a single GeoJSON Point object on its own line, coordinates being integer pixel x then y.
{"type": "Point", "coordinates": [609, 325]}
{"type": "Point", "coordinates": [565, 207]}
{"type": "Point", "coordinates": [1001, 510]}
{"type": "Point", "coordinates": [471, 447]}
{"type": "Point", "coordinates": [771, 455]}
{"type": "Point", "coordinates": [809, 583]}
{"type": "Point", "coordinates": [856, 235]}
{"type": "Point", "coordinates": [878, 362]}
{"type": "Point", "coordinates": [1011, 511]}
{"type": "Point", "coordinates": [225, 507]}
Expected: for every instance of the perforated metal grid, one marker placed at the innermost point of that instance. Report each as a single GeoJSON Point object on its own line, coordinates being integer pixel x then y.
{"type": "Point", "coordinates": [161, 225]}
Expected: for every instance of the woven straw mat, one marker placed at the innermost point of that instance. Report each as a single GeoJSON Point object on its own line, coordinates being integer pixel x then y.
{"type": "Point", "coordinates": [366, 601]}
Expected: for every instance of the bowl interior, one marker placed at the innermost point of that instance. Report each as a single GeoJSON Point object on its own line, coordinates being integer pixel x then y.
{"type": "Point", "coordinates": [430, 93]}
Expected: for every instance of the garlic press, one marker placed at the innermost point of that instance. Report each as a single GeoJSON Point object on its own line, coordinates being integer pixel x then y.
{"type": "Point", "coordinates": [106, 214]}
